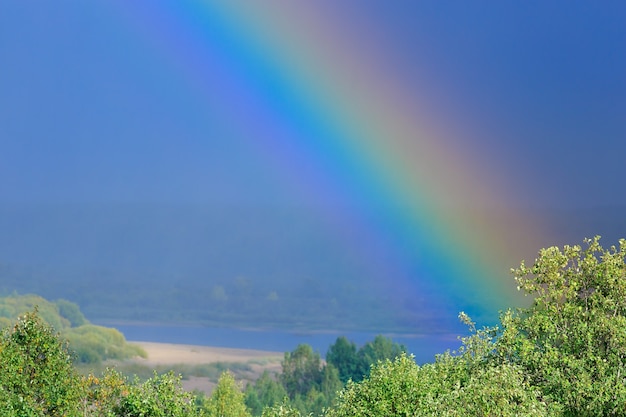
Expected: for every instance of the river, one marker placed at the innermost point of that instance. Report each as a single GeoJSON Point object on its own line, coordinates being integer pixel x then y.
{"type": "Point", "coordinates": [424, 347]}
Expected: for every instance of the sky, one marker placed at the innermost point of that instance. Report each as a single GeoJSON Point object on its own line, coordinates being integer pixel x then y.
{"type": "Point", "coordinates": [416, 134]}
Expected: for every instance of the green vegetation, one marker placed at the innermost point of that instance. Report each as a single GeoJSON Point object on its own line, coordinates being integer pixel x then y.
{"type": "Point", "coordinates": [307, 384]}
{"type": "Point", "coordinates": [571, 344]}
{"type": "Point", "coordinates": [37, 377]}
{"type": "Point", "coordinates": [226, 400]}
{"type": "Point", "coordinates": [565, 355]}
{"type": "Point", "coordinates": [355, 365]}
{"type": "Point", "coordinates": [114, 395]}
{"type": "Point", "coordinates": [91, 344]}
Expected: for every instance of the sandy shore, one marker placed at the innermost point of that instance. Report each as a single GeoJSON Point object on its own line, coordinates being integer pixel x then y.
{"type": "Point", "coordinates": [166, 354]}
{"type": "Point", "coordinates": [170, 354]}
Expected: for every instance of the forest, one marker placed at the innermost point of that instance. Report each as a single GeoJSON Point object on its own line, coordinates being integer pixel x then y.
{"type": "Point", "coordinates": [564, 355]}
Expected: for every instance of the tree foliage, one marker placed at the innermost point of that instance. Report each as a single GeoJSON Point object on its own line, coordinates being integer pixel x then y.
{"type": "Point", "coordinates": [227, 400]}
{"type": "Point", "coordinates": [91, 343]}
{"type": "Point", "coordinates": [452, 386]}
{"type": "Point", "coordinates": [571, 342]}
{"type": "Point", "coordinates": [310, 385]}
{"type": "Point", "coordinates": [354, 364]}
{"type": "Point", "coordinates": [113, 395]}
{"type": "Point", "coordinates": [301, 370]}
{"type": "Point", "coordinates": [265, 392]}
{"type": "Point", "coordinates": [71, 312]}
{"type": "Point", "coordinates": [94, 344]}
{"type": "Point", "coordinates": [37, 377]}
{"type": "Point", "coordinates": [343, 356]}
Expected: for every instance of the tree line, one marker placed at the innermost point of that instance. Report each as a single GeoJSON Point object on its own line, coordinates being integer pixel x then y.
{"type": "Point", "coordinates": [308, 384]}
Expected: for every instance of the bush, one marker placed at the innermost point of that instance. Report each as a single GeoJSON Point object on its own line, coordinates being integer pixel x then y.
{"type": "Point", "coordinates": [159, 396]}
{"type": "Point", "coordinates": [94, 344]}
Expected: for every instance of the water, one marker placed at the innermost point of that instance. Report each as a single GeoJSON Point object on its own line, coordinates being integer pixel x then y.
{"type": "Point", "coordinates": [424, 347]}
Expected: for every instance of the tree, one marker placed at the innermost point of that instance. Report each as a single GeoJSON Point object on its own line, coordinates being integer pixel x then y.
{"type": "Point", "coordinates": [37, 377]}
{"type": "Point", "coordinates": [355, 365]}
{"type": "Point", "coordinates": [311, 386]}
{"type": "Point", "coordinates": [71, 312]}
{"type": "Point", "coordinates": [92, 344]}
{"type": "Point", "coordinates": [265, 392]}
{"type": "Point", "coordinates": [227, 400]}
{"type": "Point", "coordinates": [330, 384]}
{"type": "Point", "coordinates": [392, 389]}
{"type": "Point", "coordinates": [159, 396]}
{"type": "Point", "coordinates": [571, 342]}
{"type": "Point", "coordinates": [380, 349]}
{"type": "Point", "coordinates": [463, 385]}
{"type": "Point", "coordinates": [343, 356]}
{"type": "Point", "coordinates": [301, 371]}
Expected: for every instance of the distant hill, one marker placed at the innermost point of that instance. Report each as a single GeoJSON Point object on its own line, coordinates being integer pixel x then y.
{"type": "Point", "coordinates": [225, 266]}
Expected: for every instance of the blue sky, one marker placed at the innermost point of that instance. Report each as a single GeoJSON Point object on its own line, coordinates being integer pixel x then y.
{"type": "Point", "coordinates": [91, 111]}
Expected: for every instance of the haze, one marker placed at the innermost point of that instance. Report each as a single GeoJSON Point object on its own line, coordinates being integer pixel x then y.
{"type": "Point", "coordinates": [144, 176]}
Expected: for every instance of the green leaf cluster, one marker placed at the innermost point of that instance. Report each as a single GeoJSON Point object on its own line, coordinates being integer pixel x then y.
{"type": "Point", "coordinates": [571, 343]}
{"type": "Point", "coordinates": [452, 386]}
{"type": "Point", "coordinates": [113, 395]}
{"type": "Point", "coordinates": [37, 377]}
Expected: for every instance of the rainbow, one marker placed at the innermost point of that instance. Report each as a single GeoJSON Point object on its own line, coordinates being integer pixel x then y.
{"type": "Point", "coordinates": [315, 98]}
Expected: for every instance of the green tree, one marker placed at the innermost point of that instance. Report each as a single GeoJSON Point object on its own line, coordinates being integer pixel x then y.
{"type": "Point", "coordinates": [301, 371]}
{"type": "Point", "coordinates": [227, 400]}
{"type": "Point", "coordinates": [380, 349]}
{"type": "Point", "coordinates": [71, 312]}
{"type": "Point", "coordinates": [91, 343]}
{"type": "Point", "coordinates": [15, 305]}
{"type": "Point", "coordinates": [159, 396]}
{"type": "Point", "coordinates": [311, 386]}
{"type": "Point", "coordinates": [94, 344]}
{"type": "Point", "coordinates": [452, 386]}
{"type": "Point", "coordinates": [571, 342]}
{"type": "Point", "coordinates": [330, 384]}
{"type": "Point", "coordinates": [265, 392]}
{"type": "Point", "coordinates": [37, 377]}
{"type": "Point", "coordinates": [343, 356]}
{"type": "Point", "coordinates": [392, 389]}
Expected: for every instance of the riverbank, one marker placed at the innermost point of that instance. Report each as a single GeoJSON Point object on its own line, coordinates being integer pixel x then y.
{"type": "Point", "coordinates": [172, 353]}
{"type": "Point", "coordinates": [247, 364]}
